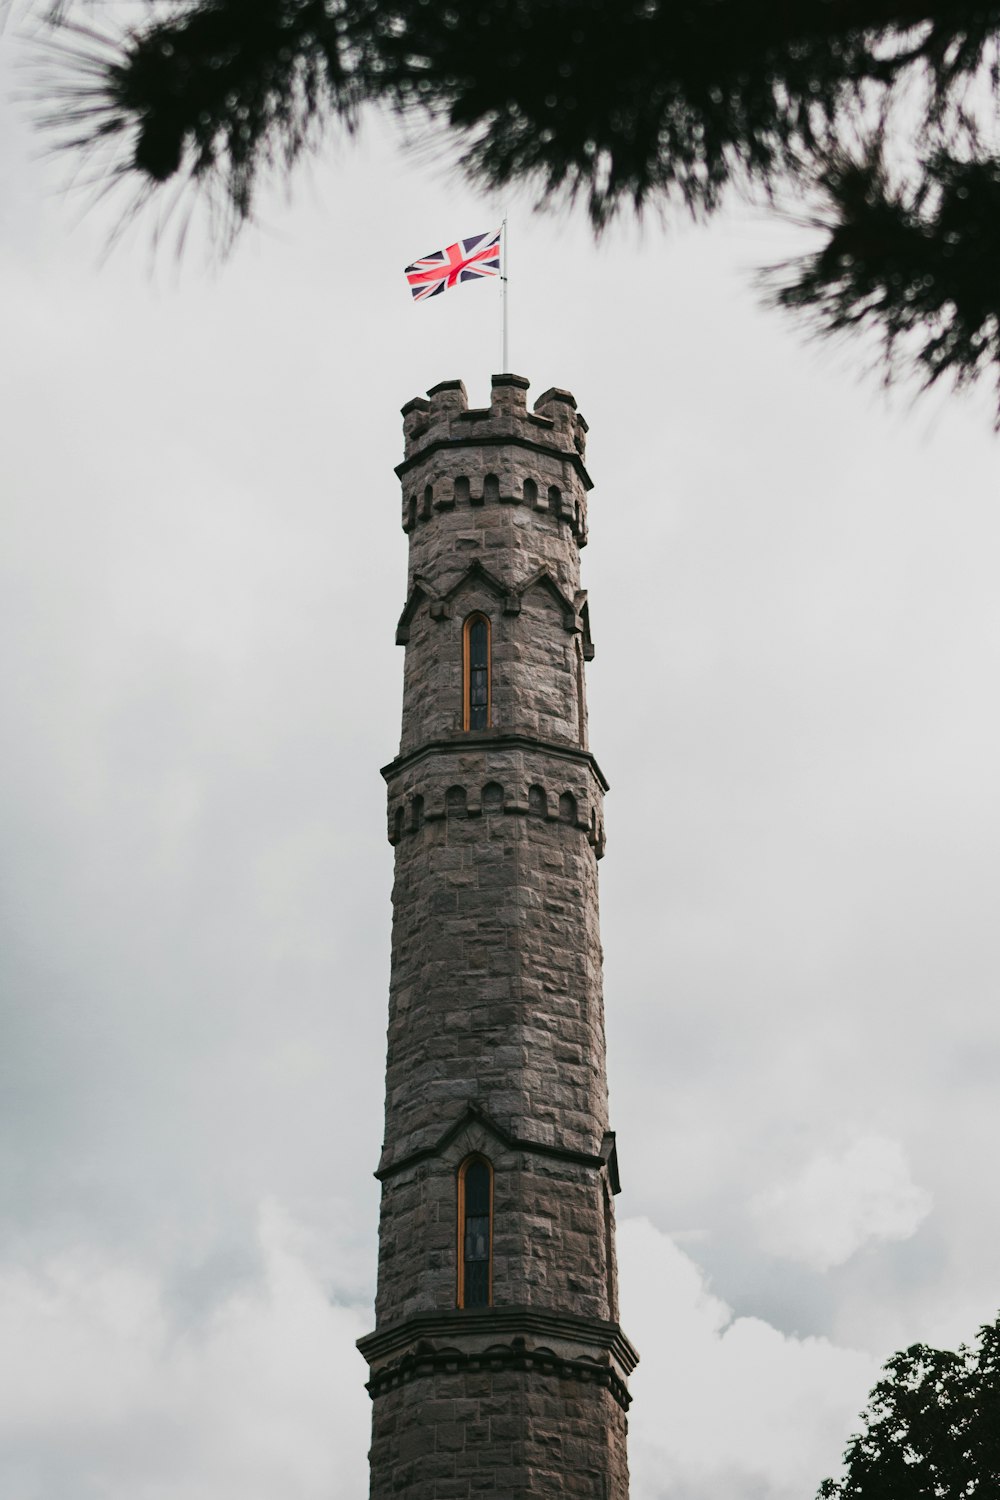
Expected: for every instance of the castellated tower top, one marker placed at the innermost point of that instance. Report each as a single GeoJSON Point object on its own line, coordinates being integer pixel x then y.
{"type": "Point", "coordinates": [499, 454]}
{"type": "Point", "coordinates": [445, 413]}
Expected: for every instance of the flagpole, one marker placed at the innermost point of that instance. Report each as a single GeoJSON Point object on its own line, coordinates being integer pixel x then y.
{"type": "Point", "coordinates": [503, 292]}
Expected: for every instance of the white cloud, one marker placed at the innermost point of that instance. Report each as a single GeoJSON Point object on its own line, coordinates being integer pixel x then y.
{"type": "Point", "coordinates": [726, 1408]}
{"type": "Point", "coordinates": [837, 1204]}
{"type": "Point", "coordinates": [102, 1394]}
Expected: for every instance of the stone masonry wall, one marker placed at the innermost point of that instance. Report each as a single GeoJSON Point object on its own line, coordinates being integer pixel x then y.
{"type": "Point", "coordinates": [531, 512]}
{"type": "Point", "coordinates": [505, 1434]}
{"type": "Point", "coordinates": [537, 667]}
{"type": "Point", "coordinates": [549, 1244]}
{"type": "Point", "coordinates": [495, 992]}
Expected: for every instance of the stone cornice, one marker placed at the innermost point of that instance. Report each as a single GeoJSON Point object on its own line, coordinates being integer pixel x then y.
{"type": "Point", "coordinates": [473, 1113]}
{"type": "Point", "coordinates": [575, 610]}
{"type": "Point", "coordinates": [493, 739]}
{"type": "Point", "coordinates": [538, 1339]}
{"type": "Point", "coordinates": [496, 440]}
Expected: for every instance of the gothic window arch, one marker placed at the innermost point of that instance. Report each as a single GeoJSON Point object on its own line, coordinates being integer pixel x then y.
{"type": "Point", "coordinates": [477, 684]}
{"type": "Point", "coordinates": [455, 802]}
{"type": "Point", "coordinates": [537, 801]}
{"type": "Point", "coordinates": [493, 797]}
{"type": "Point", "coordinates": [475, 1232]}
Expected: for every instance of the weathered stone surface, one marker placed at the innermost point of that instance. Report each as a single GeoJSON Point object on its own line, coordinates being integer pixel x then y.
{"type": "Point", "coordinates": [496, 1021]}
{"type": "Point", "coordinates": [505, 1433]}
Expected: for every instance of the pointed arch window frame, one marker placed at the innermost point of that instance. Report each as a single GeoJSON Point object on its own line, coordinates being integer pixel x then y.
{"type": "Point", "coordinates": [477, 617]}
{"type": "Point", "coordinates": [476, 1158]}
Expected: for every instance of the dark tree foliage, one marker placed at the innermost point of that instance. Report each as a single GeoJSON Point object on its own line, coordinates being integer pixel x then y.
{"type": "Point", "coordinates": [615, 102]}
{"type": "Point", "coordinates": [931, 1428]}
{"type": "Point", "coordinates": [918, 264]}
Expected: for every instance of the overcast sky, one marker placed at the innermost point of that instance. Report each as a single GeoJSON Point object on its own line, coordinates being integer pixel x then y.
{"type": "Point", "coordinates": [793, 584]}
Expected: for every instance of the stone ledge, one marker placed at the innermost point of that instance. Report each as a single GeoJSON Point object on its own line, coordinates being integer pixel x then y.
{"type": "Point", "coordinates": [575, 609]}
{"type": "Point", "coordinates": [541, 1340]}
{"type": "Point", "coordinates": [474, 1327]}
{"type": "Point", "coordinates": [513, 1356]}
{"type": "Point", "coordinates": [607, 1156]}
{"type": "Point", "coordinates": [496, 440]}
{"type": "Point", "coordinates": [493, 739]}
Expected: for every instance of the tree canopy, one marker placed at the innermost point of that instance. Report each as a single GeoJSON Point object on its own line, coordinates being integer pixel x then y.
{"type": "Point", "coordinates": [931, 1429]}
{"type": "Point", "coordinates": [874, 117]}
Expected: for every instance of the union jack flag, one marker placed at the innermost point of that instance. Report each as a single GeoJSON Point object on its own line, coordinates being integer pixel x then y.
{"type": "Point", "coordinates": [467, 261]}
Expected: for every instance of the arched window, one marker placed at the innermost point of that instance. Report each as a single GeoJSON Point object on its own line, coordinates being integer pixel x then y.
{"type": "Point", "coordinates": [492, 797]}
{"type": "Point", "coordinates": [476, 688]}
{"type": "Point", "coordinates": [455, 802]}
{"type": "Point", "coordinates": [609, 1255]}
{"type": "Point", "coordinates": [475, 1232]}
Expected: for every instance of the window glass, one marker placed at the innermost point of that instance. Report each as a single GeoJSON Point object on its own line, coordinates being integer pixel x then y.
{"type": "Point", "coordinates": [476, 1235]}
{"type": "Point", "coordinates": [478, 688]}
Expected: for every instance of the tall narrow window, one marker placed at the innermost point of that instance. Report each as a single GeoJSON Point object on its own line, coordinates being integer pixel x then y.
{"type": "Point", "coordinates": [475, 1232]}
{"type": "Point", "coordinates": [477, 686]}
{"type": "Point", "coordinates": [609, 1256]}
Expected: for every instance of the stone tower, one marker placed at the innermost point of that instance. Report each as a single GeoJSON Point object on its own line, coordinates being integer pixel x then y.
{"type": "Point", "coordinates": [497, 1365]}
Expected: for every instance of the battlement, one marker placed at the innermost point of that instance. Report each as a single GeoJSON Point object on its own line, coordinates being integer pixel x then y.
{"type": "Point", "coordinates": [444, 415]}
{"type": "Point", "coordinates": [409, 811]}
{"type": "Point", "coordinates": [459, 457]}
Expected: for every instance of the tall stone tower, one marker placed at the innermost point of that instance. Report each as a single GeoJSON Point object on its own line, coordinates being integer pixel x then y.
{"type": "Point", "coordinates": [497, 1365]}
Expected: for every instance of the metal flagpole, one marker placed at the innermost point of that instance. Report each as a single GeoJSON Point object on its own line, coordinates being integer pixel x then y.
{"type": "Point", "coordinates": [505, 363]}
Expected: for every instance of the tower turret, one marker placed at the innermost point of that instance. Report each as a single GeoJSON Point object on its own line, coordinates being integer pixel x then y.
{"type": "Point", "coordinates": [497, 1363]}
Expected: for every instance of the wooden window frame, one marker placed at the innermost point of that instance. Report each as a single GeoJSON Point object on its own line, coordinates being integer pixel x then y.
{"type": "Point", "coordinates": [467, 670]}
{"type": "Point", "coordinates": [476, 1156]}
{"type": "Point", "coordinates": [609, 1254]}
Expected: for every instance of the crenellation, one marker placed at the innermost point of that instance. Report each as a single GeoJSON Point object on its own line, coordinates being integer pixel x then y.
{"type": "Point", "coordinates": [409, 812]}
{"type": "Point", "coordinates": [415, 420]}
{"type": "Point", "coordinates": [559, 407]}
{"type": "Point", "coordinates": [507, 396]}
{"type": "Point", "coordinates": [526, 456]}
{"type": "Point", "coordinates": [447, 399]}
{"type": "Point", "coordinates": [445, 413]}
{"type": "Point", "coordinates": [545, 487]}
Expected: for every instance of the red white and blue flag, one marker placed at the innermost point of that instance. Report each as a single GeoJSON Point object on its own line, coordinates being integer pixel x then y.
{"type": "Point", "coordinates": [469, 260]}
